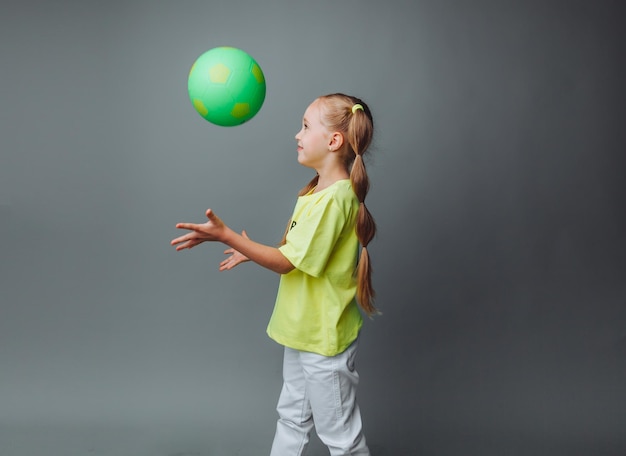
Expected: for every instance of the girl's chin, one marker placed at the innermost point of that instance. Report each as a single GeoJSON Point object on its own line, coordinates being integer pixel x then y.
{"type": "Point", "coordinates": [302, 160]}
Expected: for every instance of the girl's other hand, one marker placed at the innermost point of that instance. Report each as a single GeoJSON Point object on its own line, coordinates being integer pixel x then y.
{"type": "Point", "coordinates": [235, 257]}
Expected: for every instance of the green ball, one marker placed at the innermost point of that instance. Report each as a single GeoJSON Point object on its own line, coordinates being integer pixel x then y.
{"type": "Point", "coordinates": [226, 86]}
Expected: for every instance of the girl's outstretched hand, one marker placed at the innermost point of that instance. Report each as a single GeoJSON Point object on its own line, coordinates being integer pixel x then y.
{"type": "Point", "coordinates": [235, 257]}
{"type": "Point", "coordinates": [241, 247]}
{"type": "Point", "coordinates": [212, 230]}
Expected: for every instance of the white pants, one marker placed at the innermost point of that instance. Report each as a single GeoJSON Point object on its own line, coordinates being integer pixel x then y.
{"type": "Point", "coordinates": [319, 391]}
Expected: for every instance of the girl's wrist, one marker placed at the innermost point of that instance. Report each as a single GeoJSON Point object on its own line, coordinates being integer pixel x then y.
{"type": "Point", "coordinates": [228, 236]}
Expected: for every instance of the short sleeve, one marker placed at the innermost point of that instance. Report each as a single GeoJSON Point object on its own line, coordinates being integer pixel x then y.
{"type": "Point", "coordinates": [310, 241]}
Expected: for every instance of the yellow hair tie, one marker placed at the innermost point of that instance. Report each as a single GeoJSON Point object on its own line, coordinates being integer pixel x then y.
{"type": "Point", "coordinates": [357, 107]}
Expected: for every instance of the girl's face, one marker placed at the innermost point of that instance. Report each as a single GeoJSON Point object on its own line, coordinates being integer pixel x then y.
{"type": "Point", "coordinates": [313, 139]}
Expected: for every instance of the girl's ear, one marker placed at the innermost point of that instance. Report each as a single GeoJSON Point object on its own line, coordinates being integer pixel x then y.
{"type": "Point", "coordinates": [336, 141]}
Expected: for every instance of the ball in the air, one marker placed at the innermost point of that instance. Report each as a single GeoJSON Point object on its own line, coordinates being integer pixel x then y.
{"type": "Point", "coordinates": [226, 86]}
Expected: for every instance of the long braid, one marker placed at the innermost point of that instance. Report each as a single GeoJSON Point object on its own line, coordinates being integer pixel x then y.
{"type": "Point", "coordinates": [353, 117]}
{"type": "Point", "coordinates": [359, 137]}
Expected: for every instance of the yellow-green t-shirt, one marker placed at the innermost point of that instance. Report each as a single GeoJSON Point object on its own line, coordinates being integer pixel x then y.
{"type": "Point", "coordinates": [315, 308]}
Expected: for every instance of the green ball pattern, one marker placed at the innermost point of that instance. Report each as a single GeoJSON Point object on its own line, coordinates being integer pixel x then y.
{"type": "Point", "coordinates": [226, 86]}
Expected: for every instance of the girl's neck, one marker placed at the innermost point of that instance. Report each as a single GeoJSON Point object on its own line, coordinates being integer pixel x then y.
{"type": "Point", "coordinates": [327, 179]}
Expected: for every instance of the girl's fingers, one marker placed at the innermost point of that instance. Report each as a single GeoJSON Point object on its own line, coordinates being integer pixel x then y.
{"type": "Point", "coordinates": [184, 237]}
{"type": "Point", "coordinates": [187, 226]}
{"type": "Point", "coordinates": [211, 215]}
{"type": "Point", "coordinates": [188, 240]}
{"type": "Point", "coordinates": [176, 241]}
{"type": "Point", "coordinates": [226, 264]}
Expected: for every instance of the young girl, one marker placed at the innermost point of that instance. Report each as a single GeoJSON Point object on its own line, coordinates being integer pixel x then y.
{"type": "Point", "coordinates": [316, 316]}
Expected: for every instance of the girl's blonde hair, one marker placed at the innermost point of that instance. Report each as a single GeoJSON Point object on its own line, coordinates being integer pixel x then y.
{"type": "Point", "coordinates": [352, 117]}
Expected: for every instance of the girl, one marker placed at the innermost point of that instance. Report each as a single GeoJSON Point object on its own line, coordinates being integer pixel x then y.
{"type": "Point", "coordinates": [316, 316]}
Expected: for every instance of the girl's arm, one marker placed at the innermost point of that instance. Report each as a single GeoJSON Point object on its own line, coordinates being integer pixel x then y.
{"type": "Point", "coordinates": [216, 230]}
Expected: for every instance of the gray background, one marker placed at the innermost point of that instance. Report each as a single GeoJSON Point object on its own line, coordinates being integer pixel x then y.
{"type": "Point", "coordinates": [497, 185]}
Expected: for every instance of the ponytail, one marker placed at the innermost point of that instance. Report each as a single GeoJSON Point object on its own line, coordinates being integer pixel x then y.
{"type": "Point", "coordinates": [365, 231]}
{"type": "Point", "coordinates": [353, 117]}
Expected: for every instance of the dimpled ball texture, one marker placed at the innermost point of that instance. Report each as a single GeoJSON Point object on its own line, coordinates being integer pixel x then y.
{"type": "Point", "coordinates": [226, 86]}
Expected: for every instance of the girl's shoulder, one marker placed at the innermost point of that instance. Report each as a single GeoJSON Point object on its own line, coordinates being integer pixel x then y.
{"type": "Point", "coordinates": [342, 190]}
